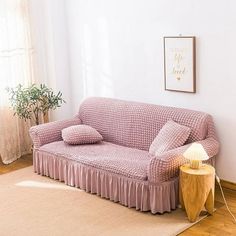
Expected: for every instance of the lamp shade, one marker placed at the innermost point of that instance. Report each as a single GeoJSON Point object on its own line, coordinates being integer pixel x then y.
{"type": "Point", "coordinates": [196, 152]}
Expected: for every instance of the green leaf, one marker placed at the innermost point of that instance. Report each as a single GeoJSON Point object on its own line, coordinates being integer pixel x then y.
{"type": "Point", "coordinates": [33, 101]}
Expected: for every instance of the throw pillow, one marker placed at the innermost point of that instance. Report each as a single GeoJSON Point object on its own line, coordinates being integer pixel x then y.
{"type": "Point", "coordinates": [171, 135]}
{"type": "Point", "coordinates": [81, 134]}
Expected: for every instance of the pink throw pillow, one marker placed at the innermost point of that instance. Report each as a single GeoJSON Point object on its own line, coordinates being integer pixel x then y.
{"type": "Point", "coordinates": [81, 134]}
{"type": "Point", "coordinates": [171, 135]}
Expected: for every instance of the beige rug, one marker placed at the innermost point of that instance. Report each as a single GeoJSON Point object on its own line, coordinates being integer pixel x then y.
{"type": "Point", "coordinates": [34, 205]}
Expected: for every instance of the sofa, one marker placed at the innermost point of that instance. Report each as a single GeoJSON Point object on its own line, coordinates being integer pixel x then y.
{"type": "Point", "coordinates": [120, 168]}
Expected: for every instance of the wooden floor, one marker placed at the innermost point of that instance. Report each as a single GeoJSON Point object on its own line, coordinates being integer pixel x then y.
{"type": "Point", "coordinates": [22, 162]}
{"type": "Point", "coordinates": [220, 223]}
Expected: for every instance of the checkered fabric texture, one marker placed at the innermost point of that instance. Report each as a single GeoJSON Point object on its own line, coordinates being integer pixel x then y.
{"type": "Point", "coordinates": [134, 124]}
{"type": "Point", "coordinates": [80, 134]}
{"type": "Point", "coordinates": [50, 132]}
{"type": "Point", "coordinates": [171, 135]}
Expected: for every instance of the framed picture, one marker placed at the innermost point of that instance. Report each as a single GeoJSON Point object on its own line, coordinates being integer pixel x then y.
{"type": "Point", "coordinates": [179, 63]}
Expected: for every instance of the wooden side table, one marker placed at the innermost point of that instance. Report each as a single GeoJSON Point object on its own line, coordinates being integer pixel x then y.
{"type": "Point", "coordinates": [196, 190]}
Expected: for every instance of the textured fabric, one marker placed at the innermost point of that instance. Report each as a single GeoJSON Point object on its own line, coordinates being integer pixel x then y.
{"type": "Point", "coordinates": [50, 132]}
{"type": "Point", "coordinates": [136, 124]}
{"type": "Point", "coordinates": [166, 166]}
{"type": "Point", "coordinates": [129, 192]}
{"type": "Point", "coordinates": [117, 159]}
{"type": "Point", "coordinates": [129, 175]}
{"type": "Point", "coordinates": [80, 134]}
{"type": "Point", "coordinates": [171, 135]}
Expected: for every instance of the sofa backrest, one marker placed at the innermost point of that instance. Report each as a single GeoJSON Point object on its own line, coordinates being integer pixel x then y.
{"type": "Point", "coordinates": [135, 125]}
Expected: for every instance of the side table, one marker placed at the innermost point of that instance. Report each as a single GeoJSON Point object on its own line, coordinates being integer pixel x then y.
{"type": "Point", "coordinates": [196, 190]}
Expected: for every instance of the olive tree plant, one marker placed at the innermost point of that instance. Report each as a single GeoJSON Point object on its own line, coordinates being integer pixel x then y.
{"type": "Point", "coordinates": [34, 101]}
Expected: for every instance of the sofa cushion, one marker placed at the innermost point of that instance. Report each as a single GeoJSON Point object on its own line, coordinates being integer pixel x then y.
{"type": "Point", "coordinates": [172, 135]}
{"type": "Point", "coordinates": [81, 134]}
{"type": "Point", "coordinates": [106, 156]}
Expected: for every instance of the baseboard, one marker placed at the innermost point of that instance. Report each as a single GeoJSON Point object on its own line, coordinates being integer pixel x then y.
{"type": "Point", "coordinates": [228, 184]}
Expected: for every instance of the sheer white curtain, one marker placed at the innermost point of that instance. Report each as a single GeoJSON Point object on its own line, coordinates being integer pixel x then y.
{"type": "Point", "coordinates": [16, 67]}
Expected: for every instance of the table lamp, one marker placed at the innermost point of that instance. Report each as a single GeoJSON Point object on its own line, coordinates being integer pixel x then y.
{"type": "Point", "coordinates": [196, 154]}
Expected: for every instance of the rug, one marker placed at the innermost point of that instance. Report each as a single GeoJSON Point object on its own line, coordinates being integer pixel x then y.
{"type": "Point", "coordinates": [34, 205]}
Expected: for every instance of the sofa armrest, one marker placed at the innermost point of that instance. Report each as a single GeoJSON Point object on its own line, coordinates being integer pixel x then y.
{"type": "Point", "coordinates": [163, 168]}
{"type": "Point", "coordinates": [50, 132]}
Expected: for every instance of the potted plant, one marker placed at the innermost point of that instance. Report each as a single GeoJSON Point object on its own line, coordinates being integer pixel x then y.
{"type": "Point", "coordinates": [34, 101]}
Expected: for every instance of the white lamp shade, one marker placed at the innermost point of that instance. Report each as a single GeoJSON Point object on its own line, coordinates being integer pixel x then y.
{"type": "Point", "coordinates": [196, 152]}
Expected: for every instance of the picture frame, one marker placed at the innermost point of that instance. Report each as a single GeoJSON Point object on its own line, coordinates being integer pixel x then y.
{"type": "Point", "coordinates": [180, 63]}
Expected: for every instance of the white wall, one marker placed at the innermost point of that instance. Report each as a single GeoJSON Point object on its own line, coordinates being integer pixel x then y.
{"type": "Point", "coordinates": [50, 42]}
{"type": "Point", "coordinates": [116, 50]}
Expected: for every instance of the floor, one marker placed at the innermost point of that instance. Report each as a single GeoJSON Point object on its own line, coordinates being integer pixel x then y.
{"type": "Point", "coordinates": [220, 223]}
{"type": "Point", "coordinates": [22, 162]}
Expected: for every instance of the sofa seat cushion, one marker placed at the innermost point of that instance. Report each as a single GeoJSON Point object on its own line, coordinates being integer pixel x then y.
{"type": "Point", "coordinates": [117, 159]}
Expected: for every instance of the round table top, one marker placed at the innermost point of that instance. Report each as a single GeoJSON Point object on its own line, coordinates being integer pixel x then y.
{"type": "Point", "coordinates": [203, 170]}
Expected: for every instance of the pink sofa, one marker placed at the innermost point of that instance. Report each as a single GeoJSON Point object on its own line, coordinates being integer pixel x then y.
{"type": "Point", "coordinates": [120, 168]}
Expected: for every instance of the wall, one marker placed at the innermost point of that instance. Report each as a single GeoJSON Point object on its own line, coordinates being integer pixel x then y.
{"type": "Point", "coordinates": [116, 50]}
{"type": "Point", "coordinates": [50, 42]}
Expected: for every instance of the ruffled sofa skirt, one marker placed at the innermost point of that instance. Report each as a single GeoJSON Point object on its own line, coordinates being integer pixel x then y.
{"type": "Point", "coordinates": [142, 195]}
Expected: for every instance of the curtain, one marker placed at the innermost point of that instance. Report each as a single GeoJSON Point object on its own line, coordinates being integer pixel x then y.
{"type": "Point", "coordinates": [16, 66]}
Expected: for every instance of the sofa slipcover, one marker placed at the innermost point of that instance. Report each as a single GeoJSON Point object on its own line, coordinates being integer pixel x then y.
{"type": "Point", "coordinates": [120, 168]}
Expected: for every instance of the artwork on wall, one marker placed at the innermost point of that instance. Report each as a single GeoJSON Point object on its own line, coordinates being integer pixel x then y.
{"type": "Point", "coordinates": [179, 63]}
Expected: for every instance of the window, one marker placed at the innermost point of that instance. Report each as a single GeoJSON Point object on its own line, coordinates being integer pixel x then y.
{"type": "Point", "coordinates": [15, 46]}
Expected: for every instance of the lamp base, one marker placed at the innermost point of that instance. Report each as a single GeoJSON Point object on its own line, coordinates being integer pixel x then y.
{"type": "Point", "coordinates": [195, 164]}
